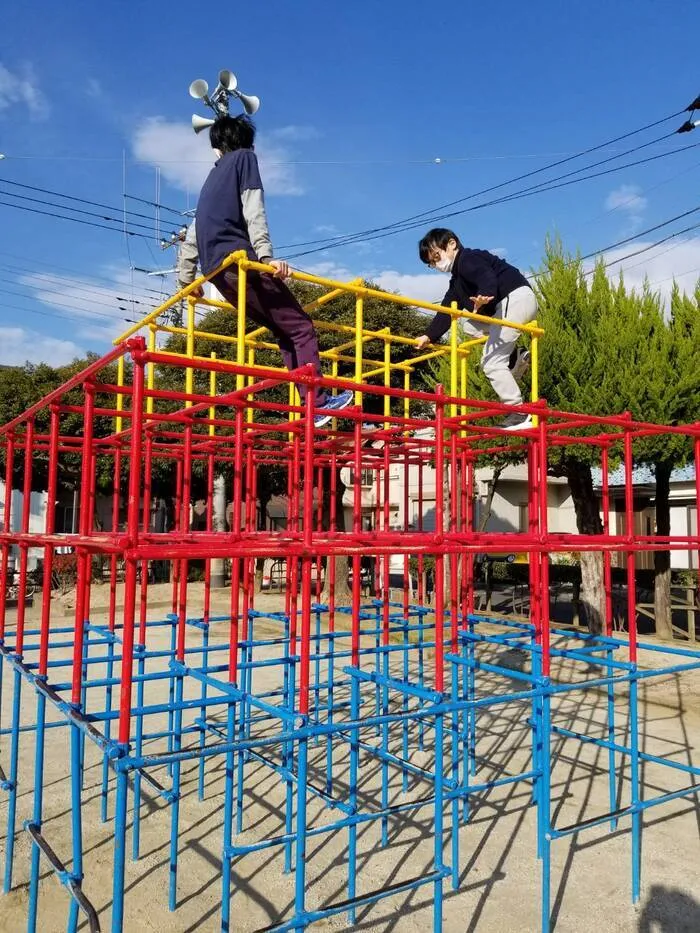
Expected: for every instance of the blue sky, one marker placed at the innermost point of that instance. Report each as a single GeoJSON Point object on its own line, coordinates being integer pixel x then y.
{"type": "Point", "coordinates": [358, 101]}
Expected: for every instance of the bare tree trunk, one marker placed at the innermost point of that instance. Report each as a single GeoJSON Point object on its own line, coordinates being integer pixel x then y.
{"type": "Point", "coordinates": [219, 521]}
{"type": "Point", "coordinates": [588, 521]}
{"type": "Point", "coordinates": [488, 505]}
{"type": "Point", "coordinates": [662, 559]}
{"type": "Point", "coordinates": [260, 561]}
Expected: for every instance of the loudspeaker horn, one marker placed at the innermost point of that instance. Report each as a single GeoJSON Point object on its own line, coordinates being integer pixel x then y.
{"type": "Point", "coordinates": [199, 89]}
{"type": "Point", "coordinates": [201, 123]}
{"type": "Point", "coordinates": [228, 80]}
{"type": "Point", "coordinates": [250, 102]}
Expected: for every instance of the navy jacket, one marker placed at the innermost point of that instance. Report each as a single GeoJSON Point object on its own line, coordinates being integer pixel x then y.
{"type": "Point", "coordinates": [476, 272]}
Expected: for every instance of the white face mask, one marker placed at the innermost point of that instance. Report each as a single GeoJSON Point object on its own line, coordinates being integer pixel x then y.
{"type": "Point", "coordinates": [445, 264]}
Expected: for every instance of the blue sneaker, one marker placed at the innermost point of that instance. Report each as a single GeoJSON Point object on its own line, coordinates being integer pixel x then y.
{"type": "Point", "coordinates": [335, 403]}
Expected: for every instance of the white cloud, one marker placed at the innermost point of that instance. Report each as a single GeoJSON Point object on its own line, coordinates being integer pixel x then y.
{"type": "Point", "coordinates": [185, 158]}
{"type": "Point", "coordinates": [679, 260]}
{"type": "Point", "coordinates": [21, 87]}
{"type": "Point", "coordinates": [294, 134]}
{"type": "Point", "coordinates": [93, 88]}
{"type": "Point", "coordinates": [99, 308]}
{"type": "Point", "coordinates": [629, 201]}
{"type": "Point", "coordinates": [19, 346]}
{"type": "Point", "coordinates": [425, 286]}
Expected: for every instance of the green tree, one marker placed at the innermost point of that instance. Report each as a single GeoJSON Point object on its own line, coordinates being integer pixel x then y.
{"type": "Point", "coordinates": [24, 386]}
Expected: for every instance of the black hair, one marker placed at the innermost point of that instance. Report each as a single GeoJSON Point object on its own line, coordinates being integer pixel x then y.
{"type": "Point", "coordinates": [231, 133]}
{"type": "Point", "coordinates": [437, 238]}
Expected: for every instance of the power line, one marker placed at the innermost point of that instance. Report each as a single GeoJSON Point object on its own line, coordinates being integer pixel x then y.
{"type": "Point", "coordinates": [59, 285]}
{"type": "Point", "coordinates": [514, 196]}
{"type": "Point", "coordinates": [641, 233]}
{"type": "Point", "coordinates": [65, 269]}
{"type": "Point", "coordinates": [333, 241]}
{"type": "Point", "coordinates": [80, 312]}
{"type": "Point", "coordinates": [71, 197]}
{"type": "Point", "coordinates": [77, 220]}
{"type": "Point", "coordinates": [67, 317]}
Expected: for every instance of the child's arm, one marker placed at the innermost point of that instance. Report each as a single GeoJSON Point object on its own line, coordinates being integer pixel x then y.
{"type": "Point", "coordinates": [439, 325]}
{"type": "Point", "coordinates": [187, 259]}
{"type": "Point", "coordinates": [253, 202]}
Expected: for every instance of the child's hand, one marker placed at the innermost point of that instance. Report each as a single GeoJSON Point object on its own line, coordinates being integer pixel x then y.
{"type": "Point", "coordinates": [422, 341]}
{"type": "Point", "coordinates": [281, 268]}
{"type": "Point", "coordinates": [197, 292]}
{"type": "Point", "coordinates": [479, 300]}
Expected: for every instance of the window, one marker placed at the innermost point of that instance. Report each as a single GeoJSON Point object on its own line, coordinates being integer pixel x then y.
{"type": "Point", "coordinates": [367, 479]}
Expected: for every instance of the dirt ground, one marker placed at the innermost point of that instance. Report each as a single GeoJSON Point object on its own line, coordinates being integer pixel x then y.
{"type": "Point", "coordinates": [499, 871]}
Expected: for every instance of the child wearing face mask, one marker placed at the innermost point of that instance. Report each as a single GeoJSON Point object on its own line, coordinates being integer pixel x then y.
{"type": "Point", "coordinates": [484, 283]}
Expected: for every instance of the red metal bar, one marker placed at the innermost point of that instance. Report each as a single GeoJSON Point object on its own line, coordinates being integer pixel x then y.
{"type": "Point", "coordinates": [629, 535]}
{"type": "Point", "coordinates": [439, 527]}
{"type": "Point", "coordinates": [184, 526]}
{"type": "Point", "coordinates": [84, 557]}
{"type": "Point", "coordinates": [607, 569]}
{"type": "Point", "coordinates": [49, 526]}
{"type": "Point", "coordinates": [116, 501]}
{"type": "Point", "coordinates": [306, 560]}
{"type": "Point", "coordinates": [132, 529]}
{"type": "Point", "coordinates": [26, 513]}
{"type": "Point", "coordinates": [236, 516]}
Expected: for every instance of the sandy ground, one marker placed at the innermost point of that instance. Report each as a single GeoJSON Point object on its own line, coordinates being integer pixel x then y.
{"type": "Point", "coordinates": [499, 871]}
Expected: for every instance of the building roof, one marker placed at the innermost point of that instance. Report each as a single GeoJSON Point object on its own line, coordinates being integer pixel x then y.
{"type": "Point", "coordinates": [643, 475]}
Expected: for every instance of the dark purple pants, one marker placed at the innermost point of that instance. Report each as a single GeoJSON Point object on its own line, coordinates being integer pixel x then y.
{"type": "Point", "coordinates": [271, 304]}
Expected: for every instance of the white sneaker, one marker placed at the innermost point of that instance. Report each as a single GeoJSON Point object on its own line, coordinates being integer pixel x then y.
{"type": "Point", "coordinates": [516, 422]}
{"type": "Point", "coordinates": [522, 363]}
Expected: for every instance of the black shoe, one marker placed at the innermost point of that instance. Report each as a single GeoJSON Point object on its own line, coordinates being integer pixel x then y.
{"type": "Point", "coordinates": [517, 421]}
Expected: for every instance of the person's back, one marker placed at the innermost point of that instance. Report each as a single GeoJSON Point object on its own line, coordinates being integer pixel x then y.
{"type": "Point", "coordinates": [230, 217]}
{"type": "Point", "coordinates": [221, 224]}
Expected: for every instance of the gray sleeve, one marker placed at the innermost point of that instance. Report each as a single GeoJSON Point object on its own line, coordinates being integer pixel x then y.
{"type": "Point", "coordinates": [253, 202]}
{"type": "Point", "coordinates": [187, 257]}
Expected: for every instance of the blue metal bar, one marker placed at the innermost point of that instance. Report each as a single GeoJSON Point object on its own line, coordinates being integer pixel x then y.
{"type": "Point", "coordinates": [138, 748]}
{"type": "Point", "coordinates": [120, 809]}
{"type": "Point", "coordinates": [228, 824]}
{"type": "Point", "coordinates": [37, 814]}
{"type": "Point", "coordinates": [175, 808]}
{"type": "Point", "coordinates": [76, 756]}
{"type": "Point", "coordinates": [12, 783]}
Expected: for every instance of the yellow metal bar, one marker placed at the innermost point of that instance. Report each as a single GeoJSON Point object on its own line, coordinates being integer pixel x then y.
{"type": "Point", "coordinates": [120, 397]}
{"type": "Point", "coordinates": [329, 296]}
{"type": "Point", "coordinates": [363, 291]}
{"type": "Point", "coordinates": [535, 368]}
{"type": "Point", "coordinates": [387, 380]}
{"type": "Point", "coordinates": [240, 323]}
{"type": "Point", "coordinates": [463, 388]}
{"type": "Point", "coordinates": [292, 415]}
{"type": "Point", "coordinates": [251, 380]}
{"type": "Point", "coordinates": [189, 349]}
{"type": "Point", "coordinates": [353, 287]}
{"type": "Point", "coordinates": [151, 368]}
{"type": "Point", "coordinates": [183, 293]}
{"type": "Point", "coordinates": [406, 400]}
{"type": "Point", "coordinates": [359, 344]}
{"type": "Point", "coordinates": [212, 392]}
{"type": "Point", "coordinates": [535, 371]}
{"type": "Point", "coordinates": [454, 372]}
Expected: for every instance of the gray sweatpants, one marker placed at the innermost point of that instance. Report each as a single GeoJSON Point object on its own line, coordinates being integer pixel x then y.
{"type": "Point", "coordinates": [521, 307]}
